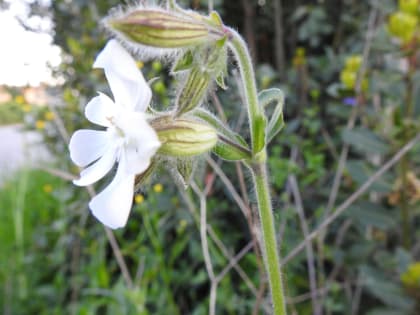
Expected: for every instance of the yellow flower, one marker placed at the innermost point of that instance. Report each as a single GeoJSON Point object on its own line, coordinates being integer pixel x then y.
{"type": "Point", "coordinates": [299, 58]}
{"type": "Point", "coordinates": [348, 78]}
{"type": "Point", "coordinates": [40, 124]}
{"type": "Point", "coordinates": [20, 99]}
{"type": "Point", "coordinates": [26, 108]}
{"type": "Point", "coordinates": [411, 277]}
{"type": "Point", "coordinates": [47, 188]}
{"type": "Point", "coordinates": [49, 115]}
{"type": "Point", "coordinates": [353, 63]}
{"type": "Point", "coordinates": [402, 25]}
{"type": "Point", "coordinates": [409, 6]}
{"type": "Point", "coordinates": [140, 64]}
{"type": "Point", "coordinates": [139, 198]}
{"type": "Point", "coordinates": [158, 188]}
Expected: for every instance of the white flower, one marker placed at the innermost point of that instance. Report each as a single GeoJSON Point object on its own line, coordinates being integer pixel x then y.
{"type": "Point", "coordinates": [128, 138]}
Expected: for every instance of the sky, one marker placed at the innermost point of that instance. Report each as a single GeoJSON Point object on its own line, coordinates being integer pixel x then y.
{"type": "Point", "coordinates": [26, 56]}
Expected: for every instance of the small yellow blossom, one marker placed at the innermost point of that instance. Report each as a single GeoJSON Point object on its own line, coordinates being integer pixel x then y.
{"type": "Point", "coordinates": [49, 115]}
{"type": "Point", "coordinates": [26, 108]}
{"type": "Point", "coordinates": [20, 99]}
{"type": "Point", "coordinates": [353, 63]}
{"type": "Point", "coordinates": [403, 25]}
{"type": "Point", "coordinates": [411, 277]}
{"type": "Point", "coordinates": [158, 188]}
{"type": "Point", "coordinates": [140, 64]}
{"type": "Point", "coordinates": [409, 6]}
{"type": "Point", "coordinates": [299, 58]}
{"type": "Point", "coordinates": [40, 124]}
{"type": "Point", "coordinates": [139, 198]}
{"type": "Point", "coordinates": [47, 188]}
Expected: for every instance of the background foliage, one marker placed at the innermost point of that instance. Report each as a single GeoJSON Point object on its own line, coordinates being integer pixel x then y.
{"type": "Point", "coordinates": [58, 260]}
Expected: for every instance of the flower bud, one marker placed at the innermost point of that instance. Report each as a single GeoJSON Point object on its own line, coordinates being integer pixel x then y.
{"type": "Point", "coordinates": [163, 29]}
{"type": "Point", "coordinates": [183, 137]}
{"type": "Point", "coordinates": [193, 91]}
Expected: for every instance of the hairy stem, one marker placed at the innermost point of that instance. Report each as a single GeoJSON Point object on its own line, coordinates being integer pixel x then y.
{"type": "Point", "coordinates": [256, 119]}
{"type": "Point", "coordinates": [269, 238]}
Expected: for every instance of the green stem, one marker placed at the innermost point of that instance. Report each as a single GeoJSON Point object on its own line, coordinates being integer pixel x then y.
{"type": "Point", "coordinates": [269, 238]}
{"type": "Point", "coordinates": [259, 170]}
{"type": "Point", "coordinates": [255, 111]}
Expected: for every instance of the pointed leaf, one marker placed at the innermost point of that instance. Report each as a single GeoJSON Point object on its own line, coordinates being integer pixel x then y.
{"type": "Point", "coordinates": [365, 141]}
{"type": "Point", "coordinates": [220, 127]}
{"type": "Point", "coordinates": [220, 81]}
{"type": "Point", "coordinates": [260, 124]}
{"type": "Point", "coordinates": [231, 152]}
{"type": "Point", "coordinates": [183, 63]}
{"type": "Point", "coordinates": [276, 122]}
{"type": "Point", "coordinates": [185, 167]}
{"type": "Point", "coordinates": [216, 19]}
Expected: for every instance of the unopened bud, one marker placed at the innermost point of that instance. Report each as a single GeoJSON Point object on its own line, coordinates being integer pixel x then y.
{"type": "Point", "coordinates": [163, 29]}
{"type": "Point", "coordinates": [193, 91]}
{"type": "Point", "coordinates": [183, 137]}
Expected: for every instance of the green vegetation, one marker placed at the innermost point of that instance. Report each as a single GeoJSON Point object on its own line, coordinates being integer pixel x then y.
{"type": "Point", "coordinates": [10, 113]}
{"type": "Point", "coordinates": [351, 86]}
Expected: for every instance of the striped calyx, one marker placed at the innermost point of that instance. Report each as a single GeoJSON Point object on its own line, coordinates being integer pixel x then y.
{"type": "Point", "coordinates": [184, 137]}
{"type": "Point", "coordinates": [163, 29]}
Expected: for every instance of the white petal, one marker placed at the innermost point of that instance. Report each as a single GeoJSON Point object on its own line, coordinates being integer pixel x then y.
{"type": "Point", "coordinates": [125, 79]}
{"type": "Point", "coordinates": [98, 169]}
{"type": "Point", "coordinates": [112, 205]}
{"type": "Point", "coordinates": [87, 146]}
{"type": "Point", "coordinates": [100, 109]}
{"type": "Point", "coordinates": [142, 143]}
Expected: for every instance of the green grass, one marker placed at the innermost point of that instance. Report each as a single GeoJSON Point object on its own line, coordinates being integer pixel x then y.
{"type": "Point", "coordinates": [30, 200]}
{"type": "Point", "coordinates": [10, 113]}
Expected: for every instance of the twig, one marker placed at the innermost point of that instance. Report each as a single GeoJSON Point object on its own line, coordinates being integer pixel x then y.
{"type": "Point", "coordinates": [309, 248]}
{"type": "Point", "coordinates": [191, 207]}
{"type": "Point", "coordinates": [119, 257]}
{"type": "Point", "coordinates": [352, 198]}
{"type": "Point", "coordinates": [205, 247]}
{"type": "Point", "coordinates": [229, 185]}
{"type": "Point", "coordinates": [234, 261]}
{"type": "Point", "coordinates": [355, 302]}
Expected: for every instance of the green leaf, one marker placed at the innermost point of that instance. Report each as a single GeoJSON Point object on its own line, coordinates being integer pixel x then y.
{"type": "Point", "coordinates": [231, 152]}
{"type": "Point", "coordinates": [183, 63]}
{"type": "Point", "coordinates": [370, 214]}
{"type": "Point", "coordinates": [390, 293]}
{"type": "Point", "coordinates": [185, 168]}
{"type": "Point", "coordinates": [387, 311]}
{"type": "Point", "coordinates": [231, 146]}
{"type": "Point", "coordinates": [220, 81]}
{"type": "Point", "coordinates": [365, 141]}
{"type": "Point", "coordinates": [276, 122]}
{"type": "Point", "coordinates": [220, 126]}
{"type": "Point", "coordinates": [216, 19]}
{"type": "Point", "coordinates": [360, 172]}
{"type": "Point", "coordinates": [260, 124]}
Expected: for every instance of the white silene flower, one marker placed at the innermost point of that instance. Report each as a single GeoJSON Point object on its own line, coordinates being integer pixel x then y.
{"type": "Point", "coordinates": [128, 139]}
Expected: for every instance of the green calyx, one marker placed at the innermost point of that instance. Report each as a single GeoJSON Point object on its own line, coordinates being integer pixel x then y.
{"type": "Point", "coordinates": [163, 29]}
{"type": "Point", "coordinates": [184, 137]}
